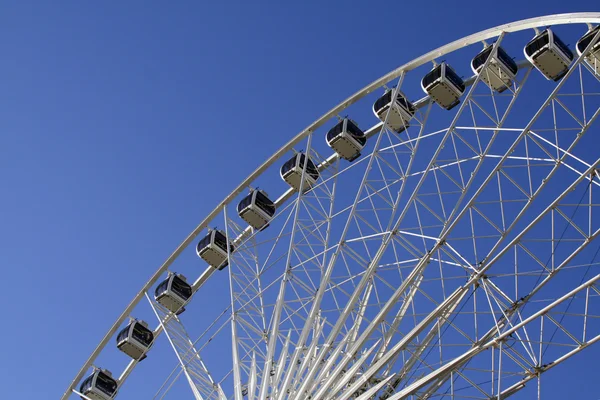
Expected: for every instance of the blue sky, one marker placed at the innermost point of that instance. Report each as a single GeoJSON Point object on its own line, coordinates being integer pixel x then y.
{"type": "Point", "coordinates": [113, 114]}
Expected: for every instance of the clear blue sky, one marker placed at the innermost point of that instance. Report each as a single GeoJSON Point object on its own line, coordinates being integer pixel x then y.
{"type": "Point", "coordinates": [111, 112]}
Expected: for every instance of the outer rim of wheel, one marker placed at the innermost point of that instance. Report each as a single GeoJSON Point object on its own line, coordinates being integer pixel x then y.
{"type": "Point", "coordinates": [530, 23]}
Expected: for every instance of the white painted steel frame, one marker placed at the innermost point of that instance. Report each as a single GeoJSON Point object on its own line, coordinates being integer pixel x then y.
{"type": "Point", "coordinates": [192, 365]}
{"type": "Point", "coordinates": [411, 389]}
{"type": "Point", "coordinates": [588, 18]}
{"type": "Point", "coordinates": [416, 272]}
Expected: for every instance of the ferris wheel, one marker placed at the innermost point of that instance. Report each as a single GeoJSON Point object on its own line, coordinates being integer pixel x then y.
{"type": "Point", "coordinates": [432, 236]}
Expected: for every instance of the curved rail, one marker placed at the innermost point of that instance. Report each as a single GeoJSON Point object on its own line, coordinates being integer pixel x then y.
{"type": "Point", "coordinates": [556, 19]}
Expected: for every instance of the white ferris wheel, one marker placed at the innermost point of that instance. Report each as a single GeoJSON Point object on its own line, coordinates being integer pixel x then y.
{"type": "Point", "coordinates": [441, 248]}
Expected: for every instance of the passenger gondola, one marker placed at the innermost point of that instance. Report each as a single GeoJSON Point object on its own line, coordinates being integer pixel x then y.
{"type": "Point", "coordinates": [347, 139]}
{"type": "Point", "coordinates": [291, 171]}
{"type": "Point", "coordinates": [135, 339]}
{"type": "Point", "coordinates": [213, 249]}
{"type": "Point", "coordinates": [502, 69]}
{"type": "Point", "coordinates": [173, 292]}
{"type": "Point", "coordinates": [400, 115]}
{"type": "Point", "coordinates": [256, 209]}
{"type": "Point", "coordinates": [549, 55]}
{"type": "Point", "coordinates": [593, 57]}
{"type": "Point", "coordinates": [444, 86]}
{"type": "Point", "coordinates": [100, 385]}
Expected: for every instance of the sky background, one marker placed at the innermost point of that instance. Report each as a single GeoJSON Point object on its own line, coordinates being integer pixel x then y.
{"type": "Point", "coordinates": [113, 113]}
